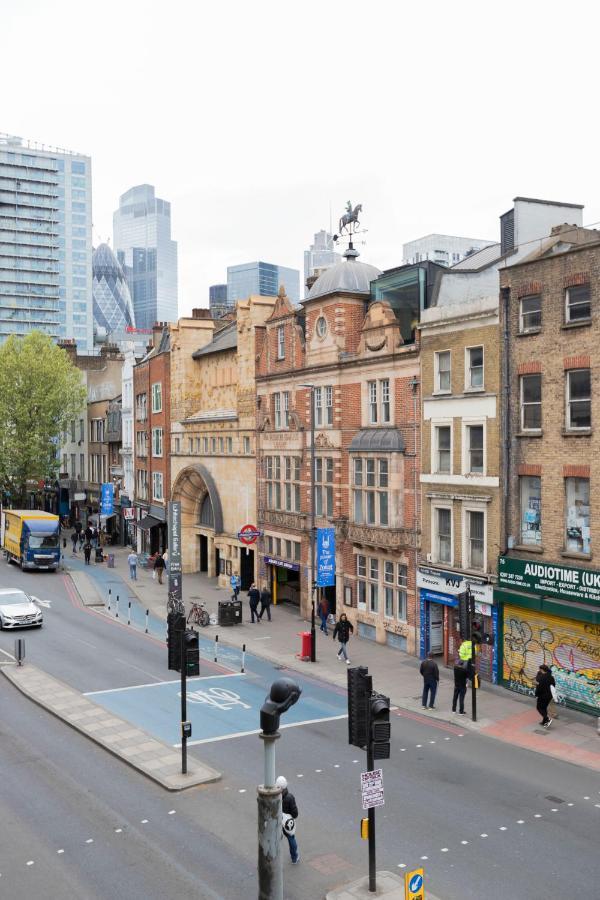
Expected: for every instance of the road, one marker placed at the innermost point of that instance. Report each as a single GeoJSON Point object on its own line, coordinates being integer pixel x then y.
{"type": "Point", "coordinates": [483, 818]}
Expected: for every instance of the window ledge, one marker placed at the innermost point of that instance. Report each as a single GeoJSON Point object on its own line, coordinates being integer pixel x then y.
{"type": "Point", "coordinates": [528, 332]}
{"type": "Point", "coordinates": [529, 548]}
{"type": "Point", "coordinates": [475, 390]}
{"type": "Point", "coordinates": [441, 393]}
{"type": "Point", "coordinates": [530, 434]}
{"type": "Point", "coordinates": [580, 432]}
{"type": "Point", "coordinates": [572, 554]}
{"type": "Point", "coordinates": [579, 323]}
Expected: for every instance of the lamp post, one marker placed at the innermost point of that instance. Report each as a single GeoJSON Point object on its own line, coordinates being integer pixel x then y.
{"type": "Point", "coordinates": [313, 530]}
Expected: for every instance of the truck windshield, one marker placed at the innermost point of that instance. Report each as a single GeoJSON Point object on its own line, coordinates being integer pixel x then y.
{"type": "Point", "coordinates": [47, 541]}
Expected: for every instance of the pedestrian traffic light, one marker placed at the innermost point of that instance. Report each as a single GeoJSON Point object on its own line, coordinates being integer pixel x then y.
{"type": "Point", "coordinates": [464, 615]}
{"type": "Point", "coordinates": [380, 726]}
{"type": "Point", "coordinates": [175, 625]}
{"type": "Point", "coordinates": [192, 653]}
{"type": "Point", "coordinates": [477, 632]}
{"type": "Point", "coordinates": [359, 691]}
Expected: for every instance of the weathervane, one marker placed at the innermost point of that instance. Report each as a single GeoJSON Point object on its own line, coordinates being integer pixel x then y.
{"type": "Point", "coordinates": [349, 226]}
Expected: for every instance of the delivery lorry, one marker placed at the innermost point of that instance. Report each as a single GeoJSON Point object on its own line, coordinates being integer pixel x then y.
{"type": "Point", "coordinates": [32, 538]}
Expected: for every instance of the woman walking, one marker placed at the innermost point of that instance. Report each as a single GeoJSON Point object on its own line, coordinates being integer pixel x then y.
{"type": "Point", "coordinates": [543, 692]}
{"type": "Point", "coordinates": [343, 629]}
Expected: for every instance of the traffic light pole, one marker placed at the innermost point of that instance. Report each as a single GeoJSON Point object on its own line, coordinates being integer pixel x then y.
{"type": "Point", "coordinates": [183, 704]}
{"type": "Point", "coordinates": [371, 814]}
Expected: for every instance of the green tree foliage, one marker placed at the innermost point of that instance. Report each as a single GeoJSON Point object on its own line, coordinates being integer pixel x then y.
{"type": "Point", "coordinates": [41, 391]}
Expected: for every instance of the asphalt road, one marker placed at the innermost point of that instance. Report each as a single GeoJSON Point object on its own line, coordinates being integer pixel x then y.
{"type": "Point", "coordinates": [491, 820]}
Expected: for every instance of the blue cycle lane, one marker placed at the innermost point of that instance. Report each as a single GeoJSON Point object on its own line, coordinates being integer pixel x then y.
{"type": "Point", "coordinates": [219, 706]}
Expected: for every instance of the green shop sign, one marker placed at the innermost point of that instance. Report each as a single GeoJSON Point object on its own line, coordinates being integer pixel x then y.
{"type": "Point", "coordinates": [549, 579]}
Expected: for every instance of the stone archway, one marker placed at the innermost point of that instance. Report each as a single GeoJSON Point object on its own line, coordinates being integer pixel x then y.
{"type": "Point", "coordinates": [193, 487]}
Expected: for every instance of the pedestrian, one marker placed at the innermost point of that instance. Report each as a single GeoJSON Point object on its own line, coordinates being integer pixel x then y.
{"type": "Point", "coordinates": [88, 534]}
{"type": "Point", "coordinates": [132, 559]}
{"type": "Point", "coordinates": [74, 539]}
{"type": "Point", "coordinates": [543, 692]}
{"type": "Point", "coordinates": [236, 583]}
{"type": "Point", "coordinates": [81, 539]}
{"type": "Point", "coordinates": [94, 536]}
{"type": "Point", "coordinates": [289, 810]}
{"type": "Point", "coordinates": [323, 613]}
{"type": "Point", "coordinates": [159, 567]}
{"type": "Point", "coordinates": [265, 603]}
{"type": "Point", "coordinates": [431, 677]}
{"type": "Point", "coordinates": [462, 672]}
{"type": "Point", "coordinates": [87, 552]}
{"type": "Point", "coordinates": [254, 597]}
{"type": "Point", "coordinates": [343, 629]}
{"type": "Point", "coordinates": [166, 559]}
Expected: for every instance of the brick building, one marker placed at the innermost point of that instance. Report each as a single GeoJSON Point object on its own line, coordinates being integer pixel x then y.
{"type": "Point", "coordinates": [151, 443]}
{"type": "Point", "coordinates": [359, 362]}
{"type": "Point", "coordinates": [549, 577]}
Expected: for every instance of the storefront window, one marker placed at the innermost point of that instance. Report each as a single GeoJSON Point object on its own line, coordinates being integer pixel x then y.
{"type": "Point", "coordinates": [577, 515]}
{"type": "Point", "coordinates": [531, 509]}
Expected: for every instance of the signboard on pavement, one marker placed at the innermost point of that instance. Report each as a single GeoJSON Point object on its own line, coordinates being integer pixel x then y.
{"type": "Point", "coordinates": [325, 557]}
{"type": "Point", "coordinates": [414, 885]}
{"type": "Point", "coordinates": [371, 788]}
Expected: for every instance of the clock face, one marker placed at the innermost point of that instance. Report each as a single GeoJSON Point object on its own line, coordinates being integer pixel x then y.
{"type": "Point", "coordinates": [321, 327]}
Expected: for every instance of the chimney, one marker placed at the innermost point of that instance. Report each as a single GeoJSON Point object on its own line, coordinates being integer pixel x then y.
{"type": "Point", "coordinates": [69, 345]}
{"type": "Point", "coordinates": [201, 312]}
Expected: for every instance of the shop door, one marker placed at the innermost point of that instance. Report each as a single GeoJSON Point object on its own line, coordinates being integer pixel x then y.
{"type": "Point", "coordinates": [436, 628]}
{"type": "Point", "coordinates": [246, 567]}
{"type": "Point", "coordinates": [329, 594]}
{"type": "Point", "coordinates": [203, 553]}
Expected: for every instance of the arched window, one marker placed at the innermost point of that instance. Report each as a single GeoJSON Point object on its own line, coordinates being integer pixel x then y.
{"type": "Point", "coordinates": [206, 513]}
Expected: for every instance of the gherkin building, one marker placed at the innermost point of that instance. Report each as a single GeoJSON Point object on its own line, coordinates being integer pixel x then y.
{"type": "Point", "coordinates": [113, 309]}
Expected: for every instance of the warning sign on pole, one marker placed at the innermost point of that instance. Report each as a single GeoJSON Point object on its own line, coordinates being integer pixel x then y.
{"type": "Point", "coordinates": [371, 787]}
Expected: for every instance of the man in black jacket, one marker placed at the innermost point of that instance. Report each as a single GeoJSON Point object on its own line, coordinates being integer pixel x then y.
{"type": "Point", "coordinates": [289, 807]}
{"type": "Point", "coordinates": [254, 597]}
{"type": "Point", "coordinates": [265, 603]}
{"type": "Point", "coordinates": [431, 676]}
{"type": "Point", "coordinates": [462, 671]}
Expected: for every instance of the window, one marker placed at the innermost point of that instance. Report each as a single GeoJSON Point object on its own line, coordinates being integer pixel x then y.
{"type": "Point", "coordinates": [361, 574]}
{"type": "Point", "coordinates": [384, 386]}
{"type": "Point", "coordinates": [578, 305]}
{"type": "Point", "coordinates": [371, 495]}
{"type": "Point", "coordinates": [177, 445]}
{"type": "Point", "coordinates": [373, 402]}
{"type": "Point", "coordinates": [246, 445]}
{"type": "Point", "coordinates": [443, 535]}
{"type": "Point", "coordinates": [474, 380]}
{"type": "Point", "coordinates": [475, 449]}
{"type": "Point", "coordinates": [531, 509]}
{"type": "Point", "coordinates": [282, 409]}
{"type": "Point", "coordinates": [230, 445]}
{"type": "Point", "coordinates": [72, 472]}
{"type": "Point", "coordinates": [157, 397]}
{"type": "Point", "coordinates": [221, 445]}
{"type": "Point", "coordinates": [141, 443]}
{"type": "Point", "coordinates": [197, 445]}
{"type": "Point", "coordinates": [442, 372]}
{"type": "Point", "coordinates": [205, 444]}
{"type": "Point", "coordinates": [157, 486]}
{"type": "Point", "coordinates": [402, 585]}
{"type": "Point", "coordinates": [281, 342]}
{"type": "Point", "coordinates": [579, 405]}
{"type": "Point", "coordinates": [324, 405]}
{"type": "Point", "coordinates": [273, 480]}
{"type": "Point", "coordinates": [157, 436]}
{"type": "Point", "coordinates": [388, 589]}
{"type": "Point", "coordinates": [292, 469]}
{"type": "Point", "coordinates": [277, 410]}
{"type": "Point", "coordinates": [73, 431]}
{"type": "Point", "coordinates": [379, 401]}
{"type": "Point", "coordinates": [324, 486]}
{"type": "Point", "coordinates": [286, 408]}
{"type": "Point", "coordinates": [531, 402]}
{"type": "Point", "coordinates": [141, 410]}
{"type": "Point", "coordinates": [475, 535]}
{"type": "Point", "coordinates": [442, 449]}
{"type": "Point", "coordinates": [81, 430]}
{"type": "Point", "coordinates": [141, 484]}
{"type": "Point", "coordinates": [577, 515]}
{"type": "Point", "coordinates": [530, 313]}
{"type": "Point", "coordinates": [321, 327]}
{"type": "Point", "coordinates": [82, 467]}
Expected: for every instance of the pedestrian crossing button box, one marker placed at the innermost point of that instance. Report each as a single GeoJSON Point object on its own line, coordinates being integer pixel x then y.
{"type": "Point", "coordinates": [186, 730]}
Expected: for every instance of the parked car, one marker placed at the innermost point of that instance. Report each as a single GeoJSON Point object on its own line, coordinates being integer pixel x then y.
{"type": "Point", "coordinates": [19, 610]}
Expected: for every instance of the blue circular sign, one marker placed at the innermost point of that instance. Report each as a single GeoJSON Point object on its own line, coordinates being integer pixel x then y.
{"type": "Point", "coordinates": [415, 883]}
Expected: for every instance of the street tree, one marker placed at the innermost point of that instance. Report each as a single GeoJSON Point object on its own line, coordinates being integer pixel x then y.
{"type": "Point", "coordinates": [41, 391]}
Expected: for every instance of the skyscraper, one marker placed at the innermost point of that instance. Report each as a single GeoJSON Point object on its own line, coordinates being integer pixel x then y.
{"type": "Point", "coordinates": [113, 309]}
{"type": "Point", "coordinates": [45, 242]}
{"type": "Point", "coordinates": [263, 279]}
{"type": "Point", "coordinates": [147, 254]}
{"type": "Point", "coordinates": [217, 300]}
{"type": "Point", "coordinates": [320, 255]}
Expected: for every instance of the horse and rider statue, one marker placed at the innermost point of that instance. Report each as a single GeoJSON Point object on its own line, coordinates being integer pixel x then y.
{"type": "Point", "coordinates": [350, 218]}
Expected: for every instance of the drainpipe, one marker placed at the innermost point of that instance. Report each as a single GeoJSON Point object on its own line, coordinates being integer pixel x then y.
{"type": "Point", "coordinates": [505, 395]}
{"type": "Point", "coordinates": [414, 383]}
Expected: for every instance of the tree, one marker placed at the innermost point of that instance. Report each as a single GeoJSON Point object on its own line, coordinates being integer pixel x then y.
{"type": "Point", "coordinates": [40, 393]}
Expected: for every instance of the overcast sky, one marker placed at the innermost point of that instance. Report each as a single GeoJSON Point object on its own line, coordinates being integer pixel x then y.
{"type": "Point", "coordinates": [254, 118]}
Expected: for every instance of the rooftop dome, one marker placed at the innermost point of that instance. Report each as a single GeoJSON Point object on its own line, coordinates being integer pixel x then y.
{"type": "Point", "coordinates": [347, 276]}
{"type": "Point", "coordinates": [113, 309]}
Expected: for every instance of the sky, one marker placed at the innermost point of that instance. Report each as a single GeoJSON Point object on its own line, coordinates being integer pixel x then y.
{"type": "Point", "coordinates": [259, 120]}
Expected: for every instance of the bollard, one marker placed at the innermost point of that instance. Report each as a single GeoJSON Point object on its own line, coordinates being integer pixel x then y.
{"type": "Point", "coordinates": [147, 621]}
{"type": "Point", "coordinates": [243, 656]}
{"type": "Point", "coordinates": [117, 612]}
{"type": "Point", "coordinates": [216, 646]}
{"type": "Point", "coordinates": [129, 613]}
{"type": "Point", "coordinates": [109, 599]}
{"type": "Point", "coordinates": [20, 651]}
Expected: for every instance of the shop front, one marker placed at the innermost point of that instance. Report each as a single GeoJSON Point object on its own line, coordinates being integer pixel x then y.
{"type": "Point", "coordinates": [439, 626]}
{"type": "Point", "coordinates": [283, 578]}
{"type": "Point", "coordinates": [550, 613]}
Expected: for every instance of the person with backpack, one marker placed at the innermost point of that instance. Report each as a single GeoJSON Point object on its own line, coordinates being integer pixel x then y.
{"type": "Point", "coordinates": [289, 814]}
{"type": "Point", "coordinates": [462, 672]}
{"type": "Point", "coordinates": [159, 567]}
{"type": "Point", "coordinates": [543, 692]}
{"type": "Point", "coordinates": [343, 629]}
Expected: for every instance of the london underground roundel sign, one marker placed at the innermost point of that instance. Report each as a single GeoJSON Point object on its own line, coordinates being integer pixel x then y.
{"type": "Point", "coordinates": [248, 534]}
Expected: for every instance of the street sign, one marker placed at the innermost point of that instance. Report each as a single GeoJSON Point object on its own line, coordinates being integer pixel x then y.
{"type": "Point", "coordinates": [371, 787]}
{"type": "Point", "coordinates": [128, 512]}
{"type": "Point", "coordinates": [248, 534]}
{"type": "Point", "coordinates": [325, 557]}
{"type": "Point", "coordinates": [414, 885]}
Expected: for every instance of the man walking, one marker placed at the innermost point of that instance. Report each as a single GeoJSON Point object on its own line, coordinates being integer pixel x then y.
{"type": "Point", "coordinates": [254, 597]}
{"type": "Point", "coordinates": [265, 603]}
{"type": "Point", "coordinates": [323, 613]}
{"type": "Point", "coordinates": [236, 583]}
{"type": "Point", "coordinates": [132, 559]}
{"type": "Point", "coordinates": [343, 629]}
{"type": "Point", "coordinates": [159, 567]}
{"type": "Point", "coordinates": [431, 676]}
{"type": "Point", "coordinates": [462, 671]}
{"type": "Point", "coordinates": [74, 539]}
{"type": "Point", "coordinates": [87, 552]}
{"type": "Point", "coordinates": [289, 809]}
{"type": "Point", "coordinates": [543, 692]}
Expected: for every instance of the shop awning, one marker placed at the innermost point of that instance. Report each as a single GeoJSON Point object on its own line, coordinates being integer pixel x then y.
{"type": "Point", "coordinates": [148, 522]}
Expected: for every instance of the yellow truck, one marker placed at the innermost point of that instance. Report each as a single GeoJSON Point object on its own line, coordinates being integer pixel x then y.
{"type": "Point", "coordinates": [32, 538]}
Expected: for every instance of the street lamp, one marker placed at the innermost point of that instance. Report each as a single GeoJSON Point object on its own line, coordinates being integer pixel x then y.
{"type": "Point", "coordinates": [313, 530]}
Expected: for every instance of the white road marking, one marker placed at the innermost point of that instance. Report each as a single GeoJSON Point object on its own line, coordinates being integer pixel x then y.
{"type": "Point", "coordinates": [502, 828]}
{"type": "Point", "coordinates": [537, 816]}
{"type": "Point", "coordinates": [136, 687]}
{"type": "Point", "coordinates": [401, 865]}
{"type": "Point", "coordinates": [118, 830]}
{"type": "Point", "coordinates": [319, 771]}
{"type": "Point", "coordinates": [354, 760]}
{"type": "Point", "coordinates": [554, 810]}
{"type": "Point", "coordinates": [464, 842]}
{"type": "Point", "coordinates": [570, 804]}
{"type": "Point", "coordinates": [300, 775]}
{"type": "Point", "coordinates": [144, 821]}
{"type": "Point", "coordinates": [520, 821]}
{"type": "Point", "coordinates": [30, 862]}
{"type": "Point", "coordinates": [446, 739]}
{"type": "Point", "coordinates": [238, 734]}
{"type": "Point", "coordinates": [444, 850]}
{"type": "Point", "coordinates": [10, 655]}
{"type": "Point", "coordinates": [87, 643]}
{"type": "Point", "coordinates": [432, 742]}
{"type": "Point", "coordinates": [419, 745]}
{"type": "Point", "coordinates": [171, 812]}
{"type": "Point", "coordinates": [60, 851]}
{"type": "Point", "coordinates": [586, 798]}
{"type": "Point", "coordinates": [242, 790]}
{"type": "Point", "coordinates": [90, 841]}
{"type": "Point", "coordinates": [402, 749]}
{"type": "Point", "coordinates": [483, 835]}
{"type": "Point", "coordinates": [336, 765]}
{"type": "Point", "coordinates": [424, 857]}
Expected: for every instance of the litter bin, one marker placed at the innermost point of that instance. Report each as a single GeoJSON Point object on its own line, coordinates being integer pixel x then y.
{"type": "Point", "coordinates": [226, 613]}
{"type": "Point", "coordinates": [236, 612]}
{"type": "Point", "coordinates": [111, 560]}
{"type": "Point", "coordinates": [305, 645]}
{"type": "Point", "coordinates": [99, 557]}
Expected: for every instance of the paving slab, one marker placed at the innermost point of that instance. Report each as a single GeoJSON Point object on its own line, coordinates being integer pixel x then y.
{"type": "Point", "coordinates": [389, 886]}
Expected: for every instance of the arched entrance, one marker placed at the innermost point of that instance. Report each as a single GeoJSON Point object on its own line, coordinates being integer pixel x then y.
{"type": "Point", "coordinates": [201, 519]}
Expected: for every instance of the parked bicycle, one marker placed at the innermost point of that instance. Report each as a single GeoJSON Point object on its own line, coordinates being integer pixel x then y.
{"type": "Point", "coordinates": [198, 615]}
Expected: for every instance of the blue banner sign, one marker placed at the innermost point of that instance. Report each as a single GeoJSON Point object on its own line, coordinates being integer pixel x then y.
{"type": "Point", "coordinates": [107, 499]}
{"type": "Point", "coordinates": [325, 557]}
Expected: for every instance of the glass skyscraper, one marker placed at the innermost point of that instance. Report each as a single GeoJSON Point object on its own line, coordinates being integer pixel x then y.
{"type": "Point", "coordinates": [217, 301]}
{"type": "Point", "coordinates": [263, 279]}
{"type": "Point", "coordinates": [147, 254]}
{"type": "Point", "coordinates": [45, 242]}
{"type": "Point", "coordinates": [113, 309]}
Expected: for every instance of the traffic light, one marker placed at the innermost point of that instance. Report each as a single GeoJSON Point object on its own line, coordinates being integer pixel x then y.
{"type": "Point", "coordinates": [477, 632]}
{"type": "Point", "coordinates": [175, 625]}
{"type": "Point", "coordinates": [359, 691]}
{"type": "Point", "coordinates": [464, 615]}
{"type": "Point", "coordinates": [192, 653]}
{"type": "Point", "coordinates": [380, 725]}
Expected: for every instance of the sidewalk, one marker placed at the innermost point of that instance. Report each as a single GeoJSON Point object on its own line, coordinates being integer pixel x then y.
{"type": "Point", "coordinates": [501, 714]}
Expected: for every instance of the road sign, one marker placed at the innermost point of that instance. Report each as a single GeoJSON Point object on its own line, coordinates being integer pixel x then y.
{"type": "Point", "coordinates": [371, 786]}
{"type": "Point", "coordinates": [248, 534]}
{"type": "Point", "coordinates": [128, 512]}
{"type": "Point", "coordinates": [414, 885]}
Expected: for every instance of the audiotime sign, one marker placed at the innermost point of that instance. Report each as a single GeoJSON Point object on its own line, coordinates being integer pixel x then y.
{"type": "Point", "coordinates": [549, 579]}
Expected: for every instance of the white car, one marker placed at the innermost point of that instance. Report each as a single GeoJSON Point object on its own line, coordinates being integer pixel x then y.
{"type": "Point", "coordinates": [19, 610]}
